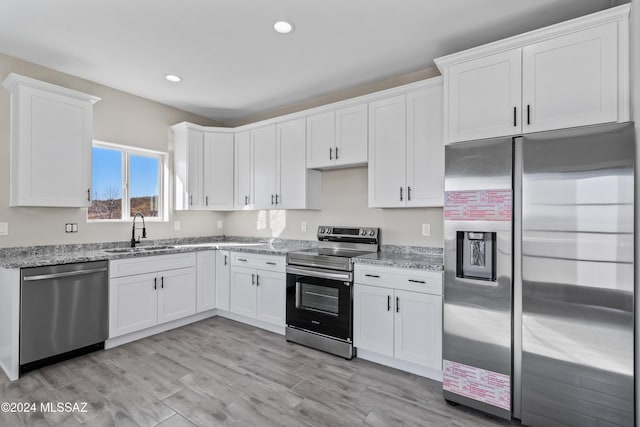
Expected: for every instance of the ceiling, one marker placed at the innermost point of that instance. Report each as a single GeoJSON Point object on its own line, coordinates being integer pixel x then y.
{"type": "Point", "coordinates": [235, 66]}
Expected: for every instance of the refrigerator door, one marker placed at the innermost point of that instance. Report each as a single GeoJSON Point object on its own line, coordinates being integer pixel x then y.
{"type": "Point", "coordinates": [578, 277]}
{"type": "Point", "coordinates": [477, 278]}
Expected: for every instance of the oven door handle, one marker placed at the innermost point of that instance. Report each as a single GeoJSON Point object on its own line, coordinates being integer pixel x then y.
{"type": "Point", "coordinates": [346, 277]}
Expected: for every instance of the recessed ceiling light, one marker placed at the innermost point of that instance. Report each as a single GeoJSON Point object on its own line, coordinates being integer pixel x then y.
{"type": "Point", "coordinates": [173, 78]}
{"type": "Point", "coordinates": [283, 27]}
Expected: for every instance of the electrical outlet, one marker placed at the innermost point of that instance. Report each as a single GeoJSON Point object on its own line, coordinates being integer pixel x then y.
{"type": "Point", "coordinates": [74, 227]}
{"type": "Point", "coordinates": [219, 223]}
{"type": "Point", "coordinates": [426, 229]}
{"type": "Point", "coordinates": [71, 227]}
{"type": "Point", "coordinates": [303, 226]}
{"type": "Point", "coordinates": [176, 225]}
{"type": "Point", "coordinates": [4, 228]}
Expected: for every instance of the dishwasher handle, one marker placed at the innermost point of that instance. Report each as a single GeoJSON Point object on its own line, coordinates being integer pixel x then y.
{"type": "Point", "coordinates": [64, 274]}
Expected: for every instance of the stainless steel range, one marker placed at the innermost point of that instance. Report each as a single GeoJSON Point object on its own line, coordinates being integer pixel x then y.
{"type": "Point", "coordinates": [320, 288]}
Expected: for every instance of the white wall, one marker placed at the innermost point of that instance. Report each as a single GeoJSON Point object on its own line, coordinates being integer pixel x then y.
{"type": "Point", "coordinates": [344, 202]}
{"type": "Point", "coordinates": [120, 118]}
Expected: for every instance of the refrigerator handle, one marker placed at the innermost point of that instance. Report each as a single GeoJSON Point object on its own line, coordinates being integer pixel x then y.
{"type": "Point", "coordinates": [517, 278]}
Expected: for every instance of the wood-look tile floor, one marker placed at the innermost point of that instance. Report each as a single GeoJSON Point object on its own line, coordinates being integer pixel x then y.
{"type": "Point", "coordinates": [220, 372]}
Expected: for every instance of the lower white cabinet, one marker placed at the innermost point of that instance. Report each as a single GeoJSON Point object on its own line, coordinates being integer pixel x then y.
{"type": "Point", "coordinates": [398, 314]}
{"type": "Point", "coordinates": [258, 293]}
{"type": "Point", "coordinates": [223, 279]}
{"type": "Point", "coordinates": [151, 295]}
{"type": "Point", "coordinates": [206, 281]}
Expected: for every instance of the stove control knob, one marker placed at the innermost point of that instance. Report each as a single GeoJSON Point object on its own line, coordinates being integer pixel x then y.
{"type": "Point", "coordinates": [372, 232]}
{"type": "Point", "coordinates": [327, 230]}
{"type": "Point", "coordinates": [363, 232]}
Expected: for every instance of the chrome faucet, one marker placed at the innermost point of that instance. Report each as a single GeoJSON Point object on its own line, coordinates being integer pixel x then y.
{"type": "Point", "coordinates": [133, 230]}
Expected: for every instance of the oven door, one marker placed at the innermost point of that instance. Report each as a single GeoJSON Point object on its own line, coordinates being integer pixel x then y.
{"type": "Point", "coordinates": [320, 301]}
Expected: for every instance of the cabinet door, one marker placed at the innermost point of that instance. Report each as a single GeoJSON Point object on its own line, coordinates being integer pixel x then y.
{"type": "Point", "coordinates": [418, 328]}
{"type": "Point", "coordinates": [243, 171]}
{"type": "Point", "coordinates": [387, 152]}
{"type": "Point", "coordinates": [223, 278]}
{"type": "Point", "coordinates": [206, 281]}
{"type": "Point", "coordinates": [265, 163]}
{"type": "Point", "coordinates": [195, 144]}
{"type": "Point", "coordinates": [321, 133]}
{"type": "Point", "coordinates": [52, 154]}
{"type": "Point", "coordinates": [272, 295]}
{"type": "Point", "coordinates": [483, 95]}
{"type": "Point", "coordinates": [132, 304]}
{"type": "Point", "coordinates": [571, 80]}
{"type": "Point", "coordinates": [351, 135]}
{"type": "Point", "coordinates": [292, 172]}
{"type": "Point", "coordinates": [176, 294]}
{"type": "Point", "coordinates": [373, 319]}
{"type": "Point", "coordinates": [218, 170]}
{"type": "Point", "coordinates": [425, 147]}
{"type": "Point", "coordinates": [243, 298]}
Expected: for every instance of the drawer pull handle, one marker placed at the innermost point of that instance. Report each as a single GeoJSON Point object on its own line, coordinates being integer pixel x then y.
{"type": "Point", "coordinates": [242, 259]}
{"type": "Point", "coordinates": [253, 279]}
{"type": "Point", "coordinates": [397, 304]}
{"type": "Point", "coordinates": [270, 263]}
{"type": "Point", "coordinates": [372, 275]}
{"type": "Point", "coordinates": [257, 280]}
{"type": "Point", "coordinates": [417, 281]}
{"type": "Point", "coordinates": [388, 302]}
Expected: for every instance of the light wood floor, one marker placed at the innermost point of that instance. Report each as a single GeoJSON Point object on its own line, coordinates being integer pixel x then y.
{"type": "Point", "coordinates": [220, 372]}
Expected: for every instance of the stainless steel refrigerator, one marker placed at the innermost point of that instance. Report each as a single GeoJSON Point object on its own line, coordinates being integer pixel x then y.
{"type": "Point", "coordinates": [538, 310]}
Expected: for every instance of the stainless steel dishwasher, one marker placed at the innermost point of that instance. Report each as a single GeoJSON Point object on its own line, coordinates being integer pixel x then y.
{"type": "Point", "coordinates": [64, 312]}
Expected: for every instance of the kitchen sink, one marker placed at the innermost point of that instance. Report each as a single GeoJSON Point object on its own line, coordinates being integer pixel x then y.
{"type": "Point", "coordinates": [139, 249]}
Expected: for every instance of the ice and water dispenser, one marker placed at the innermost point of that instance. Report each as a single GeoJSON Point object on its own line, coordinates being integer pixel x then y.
{"type": "Point", "coordinates": [476, 255]}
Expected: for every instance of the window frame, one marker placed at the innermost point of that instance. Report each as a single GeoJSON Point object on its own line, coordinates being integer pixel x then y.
{"type": "Point", "coordinates": [163, 176]}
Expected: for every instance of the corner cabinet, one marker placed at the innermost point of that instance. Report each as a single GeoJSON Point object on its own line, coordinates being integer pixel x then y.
{"type": "Point", "coordinates": [406, 150]}
{"type": "Point", "coordinates": [203, 166]}
{"type": "Point", "coordinates": [243, 198]}
{"type": "Point", "coordinates": [398, 318]}
{"type": "Point", "coordinates": [51, 144]}
{"type": "Point", "coordinates": [337, 138]}
{"type": "Point", "coordinates": [570, 74]}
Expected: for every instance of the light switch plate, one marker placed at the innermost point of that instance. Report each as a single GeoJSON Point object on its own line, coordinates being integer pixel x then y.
{"type": "Point", "coordinates": [303, 226]}
{"type": "Point", "coordinates": [219, 223]}
{"type": "Point", "coordinates": [426, 229]}
{"type": "Point", "coordinates": [4, 228]}
{"type": "Point", "coordinates": [176, 225]}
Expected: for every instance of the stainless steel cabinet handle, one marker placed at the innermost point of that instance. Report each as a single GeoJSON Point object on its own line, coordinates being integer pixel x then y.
{"type": "Point", "coordinates": [206, 200]}
{"type": "Point", "coordinates": [257, 280]}
{"type": "Point", "coordinates": [242, 259]}
{"type": "Point", "coordinates": [330, 153]}
{"type": "Point", "coordinates": [155, 283]}
{"type": "Point", "coordinates": [417, 281]}
{"type": "Point", "coordinates": [253, 279]}
{"type": "Point", "coordinates": [409, 193]}
{"type": "Point", "coordinates": [515, 109]}
{"type": "Point", "coordinates": [225, 260]}
{"type": "Point", "coordinates": [388, 302]}
{"type": "Point", "coordinates": [88, 194]}
{"type": "Point", "coordinates": [528, 114]}
{"type": "Point", "coordinates": [336, 153]}
{"type": "Point", "coordinates": [401, 198]}
{"type": "Point", "coordinates": [65, 274]}
{"type": "Point", "coordinates": [246, 200]}
{"type": "Point", "coordinates": [276, 199]}
{"type": "Point", "coordinates": [190, 199]}
{"type": "Point", "coordinates": [270, 263]}
{"type": "Point", "coordinates": [372, 275]}
{"type": "Point", "coordinates": [162, 282]}
{"type": "Point", "coordinates": [272, 199]}
{"type": "Point", "coordinates": [397, 304]}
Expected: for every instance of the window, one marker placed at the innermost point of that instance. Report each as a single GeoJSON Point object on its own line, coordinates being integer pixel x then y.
{"type": "Point", "coordinates": [126, 181]}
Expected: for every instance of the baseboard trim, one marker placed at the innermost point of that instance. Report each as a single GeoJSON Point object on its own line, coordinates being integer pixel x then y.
{"type": "Point", "coordinates": [423, 371]}
{"type": "Point", "coordinates": [253, 322]}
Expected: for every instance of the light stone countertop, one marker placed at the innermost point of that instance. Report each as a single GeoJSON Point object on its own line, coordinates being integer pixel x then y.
{"type": "Point", "coordinates": [411, 257]}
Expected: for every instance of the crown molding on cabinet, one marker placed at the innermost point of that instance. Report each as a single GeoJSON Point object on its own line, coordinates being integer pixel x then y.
{"type": "Point", "coordinates": [13, 81]}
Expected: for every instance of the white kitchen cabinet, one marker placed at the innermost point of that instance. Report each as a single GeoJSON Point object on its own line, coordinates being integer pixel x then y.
{"type": "Point", "coordinates": [148, 291]}
{"type": "Point", "coordinates": [203, 166]}
{"type": "Point", "coordinates": [51, 144]}
{"type": "Point", "coordinates": [398, 315]}
{"type": "Point", "coordinates": [243, 171]}
{"type": "Point", "coordinates": [258, 287]}
{"type": "Point", "coordinates": [223, 279]}
{"type": "Point", "coordinates": [337, 138]}
{"type": "Point", "coordinates": [281, 180]}
{"type": "Point", "coordinates": [570, 74]}
{"type": "Point", "coordinates": [406, 154]}
{"type": "Point", "coordinates": [206, 280]}
{"type": "Point", "coordinates": [218, 171]}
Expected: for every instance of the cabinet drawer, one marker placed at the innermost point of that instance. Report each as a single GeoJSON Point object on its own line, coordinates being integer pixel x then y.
{"type": "Point", "coordinates": [262, 262]}
{"type": "Point", "coordinates": [426, 282]}
{"type": "Point", "coordinates": [150, 264]}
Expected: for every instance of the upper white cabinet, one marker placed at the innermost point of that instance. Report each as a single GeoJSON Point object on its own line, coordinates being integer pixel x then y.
{"type": "Point", "coordinates": [243, 171]}
{"type": "Point", "coordinates": [571, 74]}
{"type": "Point", "coordinates": [406, 153]}
{"type": "Point", "coordinates": [337, 138]}
{"type": "Point", "coordinates": [203, 165]}
{"type": "Point", "coordinates": [280, 177]}
{"type": "Point", "coordinates": [51, 144]}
